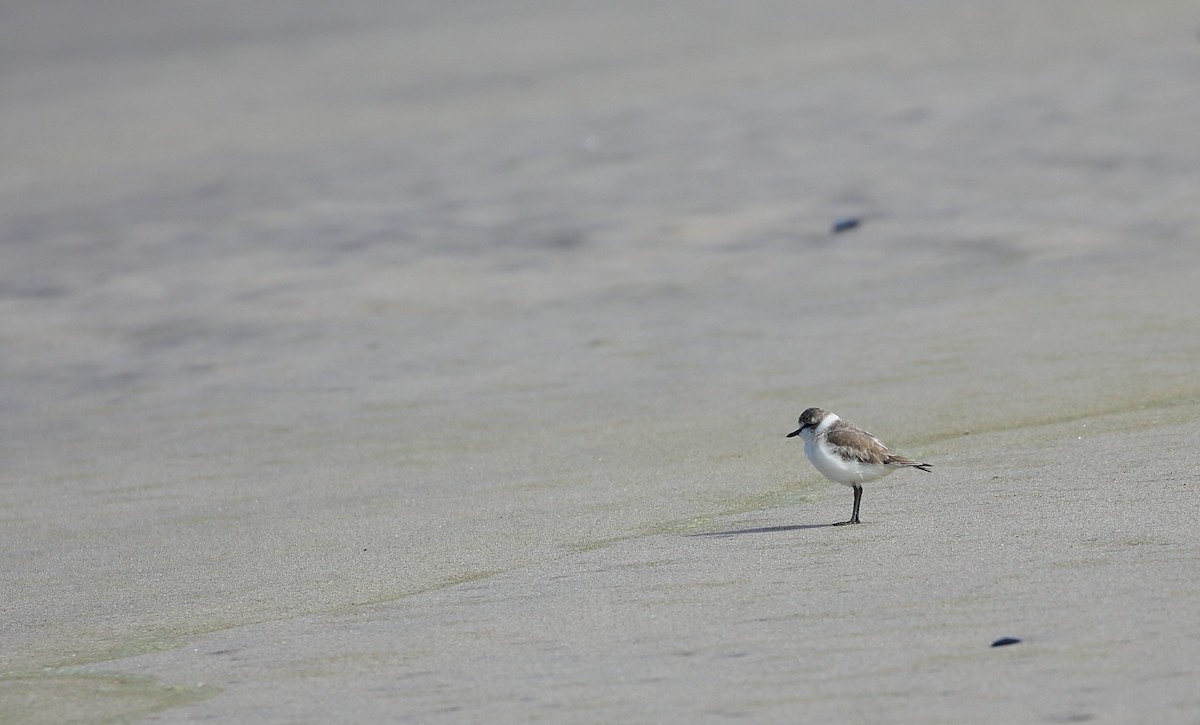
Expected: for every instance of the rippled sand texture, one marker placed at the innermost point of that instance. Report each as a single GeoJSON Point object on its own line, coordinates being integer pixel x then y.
{"type": "Point", "coordinates": [434, 362]}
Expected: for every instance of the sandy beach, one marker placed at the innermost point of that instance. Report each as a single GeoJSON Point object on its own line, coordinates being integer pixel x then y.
{"type": "Point", "coordinates": [434, 364]}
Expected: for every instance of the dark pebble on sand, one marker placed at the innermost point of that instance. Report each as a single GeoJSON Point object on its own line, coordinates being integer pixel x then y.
{"type": "Point", "coordinates": [845, 225]}
{"type": "Point", "coordinates": [1004, 641]}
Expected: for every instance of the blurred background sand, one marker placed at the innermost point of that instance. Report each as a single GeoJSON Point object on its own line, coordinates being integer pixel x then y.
{"type": "Point", "coordinates": [393, 361]}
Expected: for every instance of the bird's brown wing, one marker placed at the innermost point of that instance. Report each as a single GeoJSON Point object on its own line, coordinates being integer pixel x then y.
{"type": "Point", "coordinates": [850, 441]}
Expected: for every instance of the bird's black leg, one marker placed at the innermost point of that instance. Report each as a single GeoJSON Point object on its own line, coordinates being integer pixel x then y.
{"type": "Point", "coordinates": [857, 501]}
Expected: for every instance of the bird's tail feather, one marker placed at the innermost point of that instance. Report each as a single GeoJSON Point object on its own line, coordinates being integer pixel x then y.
{"type": "Point", "coordinates": [909, 463]}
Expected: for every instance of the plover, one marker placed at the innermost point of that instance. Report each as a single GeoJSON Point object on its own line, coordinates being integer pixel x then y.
{"type": "Point", "coordinates": [847, 454]}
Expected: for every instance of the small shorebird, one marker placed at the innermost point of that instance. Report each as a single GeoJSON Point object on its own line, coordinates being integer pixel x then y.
{"type": "Point", "coordinates": [847, 454]}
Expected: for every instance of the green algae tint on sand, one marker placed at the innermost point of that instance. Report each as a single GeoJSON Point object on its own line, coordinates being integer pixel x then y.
{"type": "Point", "coordinates": [58, 695]}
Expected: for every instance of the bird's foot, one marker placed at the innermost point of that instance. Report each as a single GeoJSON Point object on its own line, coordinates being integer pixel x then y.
{"type": "Point", "coordinates": [847, 523]}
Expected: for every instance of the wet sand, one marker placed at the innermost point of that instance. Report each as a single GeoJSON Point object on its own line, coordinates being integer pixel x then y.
{"type": "Point", "coordinates": [425, 365]}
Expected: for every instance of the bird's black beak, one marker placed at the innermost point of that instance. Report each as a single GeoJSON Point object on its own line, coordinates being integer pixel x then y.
{"type": "Point", "coordinates": [794, 433]}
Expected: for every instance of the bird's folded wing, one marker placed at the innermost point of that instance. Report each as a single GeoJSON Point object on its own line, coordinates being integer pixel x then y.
{"type": "Point", "coordinates": [857, 444]}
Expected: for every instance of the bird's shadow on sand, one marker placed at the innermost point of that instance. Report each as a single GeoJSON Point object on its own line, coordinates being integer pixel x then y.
{"type": "Point", "coordinates": [763, 530]}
